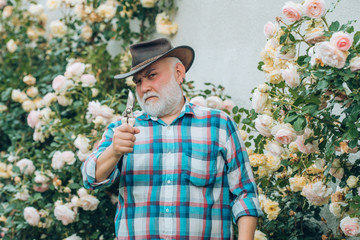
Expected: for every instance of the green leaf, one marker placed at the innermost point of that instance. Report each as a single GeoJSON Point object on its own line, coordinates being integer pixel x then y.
{"type": "Point", "coordinates": [74, 186]}
{"type": "Point", "coordinates": [322, 85]}
{"type": "Point", "coordinates": [283, 38]}
{"type": "Point", "coordinates": [334, 26]}
{"type": "Point", "coordinates": [292, 38]}
{"type": "Point", "coordinates": [290, 118]}
{"type": "Point", "coordinates": [356, 38]}
{"type": "Point", "coordinates": [235, 109]}
{"type": "Point", "coordinates": [300, 123]}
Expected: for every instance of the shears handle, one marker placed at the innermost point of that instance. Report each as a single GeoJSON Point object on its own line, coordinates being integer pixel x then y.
{"type": "Point", "coordinates": [128, 120]}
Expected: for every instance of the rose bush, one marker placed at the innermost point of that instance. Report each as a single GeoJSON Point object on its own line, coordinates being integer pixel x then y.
{"type": "Point", "coordinates": [304, 127]}
{"type": "Point", "coordinates": [57, 97]}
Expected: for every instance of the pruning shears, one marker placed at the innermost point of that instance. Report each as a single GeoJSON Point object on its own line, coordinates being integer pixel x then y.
{"type": "Point", "coordinates": [128, 114]}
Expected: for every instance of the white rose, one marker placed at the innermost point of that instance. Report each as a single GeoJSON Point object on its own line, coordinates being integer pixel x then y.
{"type": "Point", "coordinates": [99, 120]}
{"type": "Point", "coordinates": [275, 149]}
{"type": "Point", "coordinates": [106, 11]}
{"type": "Point", "coordinates": [59, 83]}
{"type": "Point", "coordinates": [3, 107]}
{"type": "Point", "coordinates": [96, 109]}
{"type": "Point", "coordinates": [11, 46]}
{"type": "Point", "coordinates": [331, 55]}
{"type": "Point", "coordinates": [32, 91]}
{"type": "Point", "coordinates": [88, 80]}
{"type": "Point", "coordinates": [260, 235]}
{"type": "Point", "coordinates": [214, 102]}
{"type": "Point", "coordinates": [31, 216]}
{"type": "Point", "coordinates": [22, 195]}
{"type": "Point", "coordinates": [18, 96]}
{"type": "Point", "coordinates": [148, 3]}
{"type": "Point", "coordinates": [350, 226]}
{"type": "Point", "coordinates": [355, 64]}
{"type": "Point", "coordinates": [264, 88]}
{"type": "Point", "coordinates": [86, 33]}
{"type": "Point", "coordinates": [75, 70]}
{"type": "Point", "coordinates": [83, 156]}
{"type": "Point", "coordinates": [26, 166]}
{"type": "Point", "coordinates": [94, 92]}
{"type": "Point", "coordinates": [75, 200]}
{"type": "Point", "coordinates": [259, 100]}
{"type": "Point", "coordinates": [49, 98]}
{"type": "Point", "coordinates": [317, 193]}
{"type": "Point", "coordinates": [82, 143]}
{"type": "Point", "coordinates": [274, 77]}
{"type": "Point", "coordinates": [36, 9]}
{"type": "Point", "coordinates": [82, 192]}
{"type": "Point", "coordinates": [164, 25]}
{"type": "Point", "coordinates": [53, 4]}
{"type": "Point", "coordinates": [38, 135]}
{"type": "Point", "coordinates": [352, 181]}
{"type": "Point", "coordinates": [7, 11]}
{"type": "Point", "coordinates": [63, 100]}
{"type": "Point", "coordinates": [198, 100]}
{"type": "Point", "coordinates": [291, 75]}
{"type": "Point", "coordinates": [263, 124]}
{"type": "Point", "coordinates": [64, 214]}
{"type": "Point", "coordinates": [89, 202]}
{"type": "Point", "coordinates": [68, 157]}
{"type": "Point", "coordinates": [335, 208]}
{"type": "Point", "coordinates": [57, 161]}
{"type": "Point", "coordinates": [58, 28]}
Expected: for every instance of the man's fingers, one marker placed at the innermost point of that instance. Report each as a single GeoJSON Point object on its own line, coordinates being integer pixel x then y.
{"type": "Point", "coordinates": [136, 130]}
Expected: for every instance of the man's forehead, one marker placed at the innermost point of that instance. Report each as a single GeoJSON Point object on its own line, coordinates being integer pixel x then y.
{"type": "Point", "coordinates": [151, 67]}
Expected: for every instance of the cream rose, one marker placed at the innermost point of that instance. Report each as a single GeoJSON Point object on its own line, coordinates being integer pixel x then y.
{"type": "Point", "coordinates": [297, 183]}
{"type": "Point", "coordinates": [19, 96]}
{"type": "Point", "coordinates": [341, 40]}
{"type": "Point", "coordinates": [335, 208]}
{"type": "Point", "coordinates": [38, 135]}
{"type": "Point", "coordinates": [59, 83]}
{"type": "Point", "coordinates": [309, 147]}
{"type": "Point", "coordinates": [11, 46]}
{"type": "Point", "coordinates": [75, 70]}
{"type": "Point", "coordinates": [36, 9]}
{"type": "Point", "coordinates": [355, 64]}
{"type": "Point", "coordinates": [28, 106]}
{"type": "Point", "coordinates": [49, 98]}
{"type": "Point", "coordinates": [164, 25]}
{"type": "Point", "coordinates": [73, 237]}
{"type": "Point", "coordinates": [274, 77]}
{"type": "Point", "coordinates": [292, 11]}
{"type": "Point", "coordinates": [291, 75]}
{"type": "Point", "coordinates": [272, 209]}
{"type": "Point", "coordinates": [148, 3]}
{"type": "Point", "coordinates": [7, 11]}
{"type": "Point", "coordinates": [89, 202]}
{"type": "Point", "coordinates": [31, 216]}
{"type": "Point", "coordinates": [82, 192]}
{"type": "Point", "coordinates": [350, 226]}
{"type": "Point", "coordinates": [86, 33]}
{"type": "Point", "coordinates": [198, 100]}
{"type": "Point", "coordinates": [259, 100]}
{"type": "Point", "coordinates": [270, 29]}
{"type": "Point", "coordinates": [94, 92]}
{"type": "Point", "coordinates": [263, 88]}
{"type": "Point", "coordinates": [58, 28]}
{"type": "Point", "coordinates": [314, 8]}
{"type": "Point", "coordinates": [228, 105]}
{"type": "Point", "coordinates": [314, 34]}
{"type": "Point", "coordinates": [273, 163]}
{"type": "Point", "coordinates": [43, 180]}
{"type": "Point", "coordinates": [263, 124]}
{"type": "Point", "coordinates": [106, 11]}
{"type": "Point", "coordinates": [32, 91]}
{"type": "Point", "coordinates": [260, 235]}
{"type": "Point", "coordinates": [214, 102]}
{"type": "Point", "coordinates": [29, 80]}
{"type": "Point", "coordinates": [284, 133]}
{"type": "Point", "coordinates": [22, 195]}
{"type": "Point", "coordinates": [96, 109]}
{"type": "Point", "coordinates": [352, 181]}
{"type": "Point", "coordinates": [53, 4]}
{"type": "Point", "coordinates": [336, 170]}
{"type": "Point", "coordinates": [275, 149]}
{"type": "Point", "coordinates": [64, 214]}
{"type": "Point", "coordinates": [68, 157]}
{"type": "Point", "coordinates": [88, 80]}
{"type": "Point", "coordinates": [3, 107]}
{"type": "Point", "coordinates": [257, 160]}
{"type": "Point", "coordinates": [82, 143]}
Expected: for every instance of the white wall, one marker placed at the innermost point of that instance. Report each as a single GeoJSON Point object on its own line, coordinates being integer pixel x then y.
{"type": "Point", "coordinates": [227, 36]}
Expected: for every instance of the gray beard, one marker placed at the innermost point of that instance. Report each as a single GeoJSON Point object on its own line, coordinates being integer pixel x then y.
{"type": "Point", "coordinates": [169, 99]}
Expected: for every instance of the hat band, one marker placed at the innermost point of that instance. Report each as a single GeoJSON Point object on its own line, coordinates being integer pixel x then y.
{"type": "Point", "coordinates": [145, 62]}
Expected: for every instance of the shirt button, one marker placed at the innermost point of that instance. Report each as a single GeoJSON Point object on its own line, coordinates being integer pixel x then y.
{"type": "Point", "coordinates": [168, 181]}
{"type": "Point", "coordinates": [167, 210]}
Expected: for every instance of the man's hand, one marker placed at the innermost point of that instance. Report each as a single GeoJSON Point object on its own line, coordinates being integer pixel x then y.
{"type": "Point", "coordinates": [124, 139]}
{"type": "Point", "coordinates": [123, 142]}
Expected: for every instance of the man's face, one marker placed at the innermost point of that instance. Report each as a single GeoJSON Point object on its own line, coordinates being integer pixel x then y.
{"type": "Point", "coordinates": [158, 90]}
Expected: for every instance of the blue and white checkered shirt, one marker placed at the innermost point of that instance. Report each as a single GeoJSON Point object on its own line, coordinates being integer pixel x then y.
{"type": "Point", "coordinates": [186, 180]}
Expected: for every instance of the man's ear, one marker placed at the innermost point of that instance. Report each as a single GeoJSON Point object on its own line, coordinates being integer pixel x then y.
{"type": "Point", "coordinates": [180, 72]}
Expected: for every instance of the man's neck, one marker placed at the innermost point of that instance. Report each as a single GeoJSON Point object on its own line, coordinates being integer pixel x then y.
{"type": "Point", "coordinates": [169, 118]}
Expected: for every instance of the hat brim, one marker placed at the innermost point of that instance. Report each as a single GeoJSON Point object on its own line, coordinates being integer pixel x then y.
{"type": "Point", "coordinates": [184, 53]}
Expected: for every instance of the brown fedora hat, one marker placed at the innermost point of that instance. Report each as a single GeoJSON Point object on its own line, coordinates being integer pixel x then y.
{"type": "Point", "coordinates": [145, 53]}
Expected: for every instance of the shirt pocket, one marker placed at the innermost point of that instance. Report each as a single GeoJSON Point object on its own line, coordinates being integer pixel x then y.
{"type": "Point", "coordinates": [201, 164]}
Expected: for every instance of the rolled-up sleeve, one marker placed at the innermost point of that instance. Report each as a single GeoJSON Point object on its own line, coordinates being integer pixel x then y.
{"type": "Point", "coordinates": [89, 165]}
{"type": "Point", "coordinates": [240, 176]}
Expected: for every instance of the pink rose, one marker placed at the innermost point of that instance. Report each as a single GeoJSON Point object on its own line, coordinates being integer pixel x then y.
{"type": "Point", "coordinates": [64, 214]}
{"type": "Point", "coordinates": [26, 166]}
{"type": "Point", "coordinates": [314, 8]}
{"type": "Point", "coordinates": [89, 202]}
{"type": "Point", "coordinates": [43, 180]}
{"type": "Point", "coordinates": [284, 133]}
{"type": "Point", "coordinates": [341, 40]}
{"type": "Point", "coordinates": [355, 64]}
{"type": "Point", "coordinates": [331, 55]}
{"type": "Point", "coordinates": [59, 83]}
{"type": "Point", "coordinates": [350, 226]}
{"type": "Point", "coordinates": [292, 11]}
{"type": "Point", "coordinates": [263, 124]}
{"type": "Point", "coordinates": [88, 80]}
{"type": "Point", "coordinates": [96, 109]}
{"type": "Point", "coordinates": [31, 216]}
{"type": "Point", "coordinates": [33, 118]}
{"type": "Point", "coordinates": [198, 100]}
{"type": "Point", "coordinates": [68, 157]}
{"type": "Point", "coordinates": [309, 147]}
{"type": "Point", "coordinates": [2, 3]}
{"type": "Point", "coordinates": [228, 105]}
{"type": "Point", "coordinates": [291, 75]}
{"type": "Point", "coordinates": [270, 29]}
{"type": "Point", "coordinates": [317, 193]}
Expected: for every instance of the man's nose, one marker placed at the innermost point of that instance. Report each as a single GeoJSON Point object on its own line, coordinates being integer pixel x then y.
{"type": "Point", "coordinates": [145, 86]}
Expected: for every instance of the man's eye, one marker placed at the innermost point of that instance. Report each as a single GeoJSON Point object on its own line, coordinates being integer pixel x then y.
{"type": "Point", "coordinates": [152, 75]}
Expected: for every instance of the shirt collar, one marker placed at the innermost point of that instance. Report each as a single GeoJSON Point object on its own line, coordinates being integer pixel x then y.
{"type": "Point", "coordinates": [188, 108]}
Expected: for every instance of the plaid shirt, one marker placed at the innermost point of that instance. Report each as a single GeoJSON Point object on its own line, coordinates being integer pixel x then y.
{"type": "Point", "coordinates": [186, 180]}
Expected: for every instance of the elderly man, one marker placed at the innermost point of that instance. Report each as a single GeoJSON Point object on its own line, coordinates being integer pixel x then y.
{"type": "Point", "coordinates": [183, 169]}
